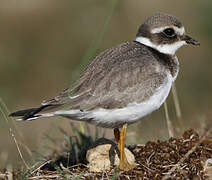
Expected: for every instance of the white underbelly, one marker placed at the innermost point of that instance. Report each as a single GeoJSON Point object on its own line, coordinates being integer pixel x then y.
{"type": "Point", "coordinates": [133, 112]}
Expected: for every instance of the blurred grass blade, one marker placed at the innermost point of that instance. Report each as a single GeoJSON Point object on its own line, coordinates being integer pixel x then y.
{"type": "Point", "coordinates": [177, 107]}
{"type": "Point", "coordinates": [169, 123]}
{"type": "Point", "coordinates": [91, 51]}
{"type": "Point", "coordinates": [4, 110]}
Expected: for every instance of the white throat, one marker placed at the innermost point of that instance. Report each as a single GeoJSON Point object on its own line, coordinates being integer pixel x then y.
{"type": "Point", "coordinates": [163, 48]}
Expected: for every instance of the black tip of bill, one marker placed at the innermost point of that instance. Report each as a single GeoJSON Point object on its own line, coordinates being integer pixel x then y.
{"type": "Point", "coordinates": [190, 40]}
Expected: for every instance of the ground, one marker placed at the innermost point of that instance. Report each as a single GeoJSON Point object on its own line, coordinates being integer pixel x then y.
{"type": "Point", "coordinates": [187, 157]}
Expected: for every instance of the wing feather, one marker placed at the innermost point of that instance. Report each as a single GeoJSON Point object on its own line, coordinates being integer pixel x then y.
{"type": "Point", "coordinates": [120, 75]}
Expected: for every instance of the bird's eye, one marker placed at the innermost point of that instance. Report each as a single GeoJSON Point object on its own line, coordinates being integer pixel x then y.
{"type": "Point", "coordinates": [169, 32]}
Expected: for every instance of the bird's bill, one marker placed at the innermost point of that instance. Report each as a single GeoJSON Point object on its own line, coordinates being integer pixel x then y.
{"type": "Point", "coordinates": [190, 40]}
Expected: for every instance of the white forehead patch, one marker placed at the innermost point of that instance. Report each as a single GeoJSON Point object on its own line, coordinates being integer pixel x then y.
{"type": "Point", "coordinates": [163, 48]}
{"type": "Point", "coordinates": [179, 31]}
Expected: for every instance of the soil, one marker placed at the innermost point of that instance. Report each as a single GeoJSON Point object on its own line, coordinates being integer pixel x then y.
{"type": "Point", "coordinates": [187, 157]}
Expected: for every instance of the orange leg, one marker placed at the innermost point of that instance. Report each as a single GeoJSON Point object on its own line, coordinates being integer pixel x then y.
{"type": "Point", "coordinates": [121, 138]}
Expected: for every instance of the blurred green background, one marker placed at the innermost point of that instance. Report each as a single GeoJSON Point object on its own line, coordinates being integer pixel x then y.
{"type": "Point", "coordinates": [45, 44]}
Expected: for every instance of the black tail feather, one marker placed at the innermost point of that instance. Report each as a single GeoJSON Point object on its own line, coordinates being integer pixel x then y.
{"type": "Point", "coordinates": [28, 113]}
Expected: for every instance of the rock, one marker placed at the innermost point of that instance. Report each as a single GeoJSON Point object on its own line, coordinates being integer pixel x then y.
{"type": "Point", "coordinates": [102, 157]}
{"type": "Point", "coordinates": [208, 167]}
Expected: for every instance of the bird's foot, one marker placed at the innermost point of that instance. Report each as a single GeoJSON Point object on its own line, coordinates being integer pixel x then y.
{"type": "Point", "coordinates": [126, 166]}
